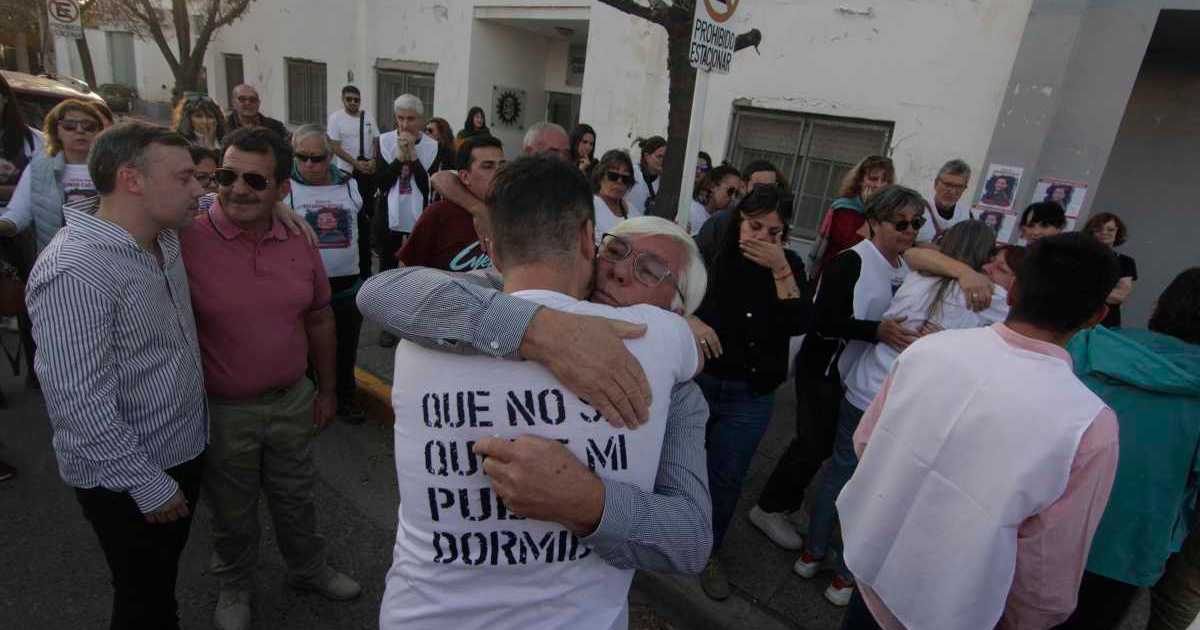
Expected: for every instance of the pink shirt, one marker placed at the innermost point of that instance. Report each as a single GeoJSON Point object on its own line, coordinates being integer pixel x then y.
{"type": "Point", "coordinates": [1052, 546]}
{"type": "Point", "coordinates": [251, 297]}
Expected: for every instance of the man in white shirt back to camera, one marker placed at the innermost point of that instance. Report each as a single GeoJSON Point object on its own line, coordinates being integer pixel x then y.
{"type": "Point", "coordinates": [948, 207]}
{"type": "Point", "coordinates": [353, 135]}
{"type": "Point", "coordinates": [498, 464]}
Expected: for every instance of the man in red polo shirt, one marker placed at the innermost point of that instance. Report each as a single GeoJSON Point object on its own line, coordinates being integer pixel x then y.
{"type": "Point", "coordinates": [261, 300]}
{"type": "Point", "coordinates": [445, 237]}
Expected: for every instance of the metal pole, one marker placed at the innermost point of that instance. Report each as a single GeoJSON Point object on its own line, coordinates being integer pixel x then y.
{"type": "Point", "coordinates": [695, 126]}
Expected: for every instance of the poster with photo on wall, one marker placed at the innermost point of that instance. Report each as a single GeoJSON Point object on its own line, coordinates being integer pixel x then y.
{"type": "Point", "coordinates": [1000, 185]}
{"type": "Point", "coordinates": [1002, 222]}
{"type": "Point", "coordinates": [1067, 193]}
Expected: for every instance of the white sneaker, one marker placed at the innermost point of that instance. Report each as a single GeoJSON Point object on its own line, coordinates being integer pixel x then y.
{"type": "Point", "coordinates": [777, 527]}
{"type": "Point", "coordinates": [839, 592]}
{"type": "Point", "coordinates": [806, 566]}
{"type": "Point", "coordinates": [233, 610]}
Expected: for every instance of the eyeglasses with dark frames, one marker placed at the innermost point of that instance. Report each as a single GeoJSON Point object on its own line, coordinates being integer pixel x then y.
{"type": "Point", "coordinates": [648, 268]}
{"type": "Point", "coordinates": [227, 176]}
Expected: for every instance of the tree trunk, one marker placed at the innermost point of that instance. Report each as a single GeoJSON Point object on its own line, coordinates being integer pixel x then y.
{"type": "Point", "coordinates": [85, 60]}
{"type": "Point", "coordinates": [681, 88]}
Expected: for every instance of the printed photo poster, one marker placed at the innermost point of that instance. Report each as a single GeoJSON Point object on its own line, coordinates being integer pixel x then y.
{"type": "Point", "coordinates": [1003, 223]}
{"type": "Point", "coordinates": [1067, 193]}
{"type": "Point", "coordinates": [1000, 186]}
{"type": "Point", "coordinates": [332, 224]}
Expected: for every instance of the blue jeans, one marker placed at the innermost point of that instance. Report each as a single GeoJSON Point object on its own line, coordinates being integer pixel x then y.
{"type": "Point", "coordinates": [737, 420]}
{"type": "Point", "coordinates": [842, 465]}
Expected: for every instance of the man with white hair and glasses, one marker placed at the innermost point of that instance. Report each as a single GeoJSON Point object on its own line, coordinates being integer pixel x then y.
{"type": "Point", "coordinates": [596, 501]}
{"type": "Point", "coordinates": [404, 159]}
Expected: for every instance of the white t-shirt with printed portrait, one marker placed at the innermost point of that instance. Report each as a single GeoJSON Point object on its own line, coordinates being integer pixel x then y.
{"type": "Point", "coordinates": [461, 559]}
{"type": "Point", "coordinates": [77, 183]}
{"type": "Point", "coordinates": [331, 211]}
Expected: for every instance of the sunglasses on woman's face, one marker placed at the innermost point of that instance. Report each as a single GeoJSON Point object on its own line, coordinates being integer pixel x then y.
{"type": "Point", "coordinates": [614, 177]}
{"type": "Point", "coordinates": [227, 176]}
{"type": "Point", "coordinates": [86, 126]}
{"type": "Point", "coordinates": [315, 159]}
{"type": "Point", "coordinates": [904, 225]}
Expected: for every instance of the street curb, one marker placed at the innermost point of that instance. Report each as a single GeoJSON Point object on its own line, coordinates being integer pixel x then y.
{"type": "Point", "coordinates": [374, 396]}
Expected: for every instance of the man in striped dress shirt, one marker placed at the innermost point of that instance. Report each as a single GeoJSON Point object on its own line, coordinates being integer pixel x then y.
{"type": "Point", "coordinates": [120, 367]}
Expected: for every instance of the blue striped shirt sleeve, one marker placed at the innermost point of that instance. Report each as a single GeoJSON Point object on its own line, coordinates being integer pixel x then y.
{"type": "Point", "coordinates": [670, 528]}
{"type": "Point", "coordinates": [76, 363]}
{"type": "Point", "coordinates": [439, 309]}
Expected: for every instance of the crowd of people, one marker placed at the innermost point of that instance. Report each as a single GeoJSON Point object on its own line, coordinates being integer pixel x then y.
{"type": "Point", "coordinates": [583, 383]}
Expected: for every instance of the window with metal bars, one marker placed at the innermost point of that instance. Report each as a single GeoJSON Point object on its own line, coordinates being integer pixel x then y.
{"type": "Point", "coordinates": [305, 91]}
{"type": "Point", "coordinates": [814, 153]}
{"type": "Point", "coordinates": [393, 83]}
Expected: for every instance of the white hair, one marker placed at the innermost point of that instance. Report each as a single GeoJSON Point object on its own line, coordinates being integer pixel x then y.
{"type": "Point", "coordinates": [307, 131]}
{"type": "Point", "coordinates": [537, 129]}
{"type": "Point", "coordinates": [408, 101]}
{"type": "Point", "coordinates": [693, 278]}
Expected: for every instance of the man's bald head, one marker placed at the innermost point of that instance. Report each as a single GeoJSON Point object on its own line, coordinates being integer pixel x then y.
{"type": "Point", "coordinates": [547, 137]}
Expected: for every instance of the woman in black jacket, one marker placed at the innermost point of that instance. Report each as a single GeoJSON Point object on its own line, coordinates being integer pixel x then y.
{"type": "Point", "coordinates": [757, 300]}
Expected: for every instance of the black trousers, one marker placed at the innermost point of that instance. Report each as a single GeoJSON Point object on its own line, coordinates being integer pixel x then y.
{"type": "Point", "coordinates": [366, 188]}
{"type": "Point", "coordinates": [348, 323]}
{"type": "Point", "coordinates": [143, 558]}
{"type": "Point", "coordinates": [1102, 604]}
{"type": "Point", "coordinates": [386, 241]}
{"type": "Point", "coordinates": [817, 400]}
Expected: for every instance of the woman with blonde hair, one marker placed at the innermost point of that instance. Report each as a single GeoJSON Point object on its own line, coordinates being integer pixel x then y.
{"type": "Point", "coordinates": [57, 177]}
{"type": "Point", "coordinates": [841, 228]}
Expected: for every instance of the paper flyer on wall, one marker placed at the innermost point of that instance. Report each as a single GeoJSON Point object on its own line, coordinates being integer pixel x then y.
{"type": "Point", "coordinates": [1069, 194]}
{"type": "Point", "coordinates": [1000, 186]}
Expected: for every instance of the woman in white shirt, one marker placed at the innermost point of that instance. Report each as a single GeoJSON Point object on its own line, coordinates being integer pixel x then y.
{"type": "Point", "coordinates": [611, 179]}
{"type": "Point", "coordinates": [931, 303]}
{"type": "Point", "coordinates": [329, 200]}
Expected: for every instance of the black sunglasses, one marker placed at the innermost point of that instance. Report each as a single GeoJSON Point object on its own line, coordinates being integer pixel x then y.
{"type": "Point", "coordinates": [86, 126]}
{"type": "Point", "coordinates": [614, 176]}
{"type": "Point", "coordinates": [903, 225]}
{"type": "Point", "coordinates": [227, 176]}
{"type": "Point", "coordinates": [316, 159]}
{"type": "Point", "coordinates": [351, 99]}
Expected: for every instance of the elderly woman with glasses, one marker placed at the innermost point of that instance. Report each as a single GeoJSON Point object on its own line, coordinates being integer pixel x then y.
{"type": "Point", "coordinates": [611, 180]}
{"type": "Point", "coordinates": [199, 119]}
{"type": "Point", "coordinates": [757, 300]}
{"type": "Point", "coordinates": [328, 199]}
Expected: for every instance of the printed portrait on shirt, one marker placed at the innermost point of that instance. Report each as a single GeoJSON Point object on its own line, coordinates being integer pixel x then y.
{"type": "Point", "coordinates": [332, 225]}
{"type": "Point", "coordinates": [404, 183]}
{"type": "Point", "coordinates": [71, 195]}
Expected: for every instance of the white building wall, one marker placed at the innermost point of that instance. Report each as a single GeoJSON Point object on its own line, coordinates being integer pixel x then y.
{"type": "Point", "coordinates": [937, 69]}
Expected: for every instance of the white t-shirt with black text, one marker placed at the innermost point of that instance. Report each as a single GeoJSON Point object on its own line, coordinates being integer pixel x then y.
{"type": "Point", "coordinates": [77, 183]}
{"type": "Point", "coordinates": [462, 560]}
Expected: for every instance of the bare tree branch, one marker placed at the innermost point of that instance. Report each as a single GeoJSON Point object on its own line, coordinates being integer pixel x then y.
{"type": "Point", "coordinates": [148, 15]}
{"type": "Point", "coordinates": [183, 29]}
{"type": "Point", "coordinates": [234, 11]}
{"type": "Point", "coordinates": [633, 8]}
